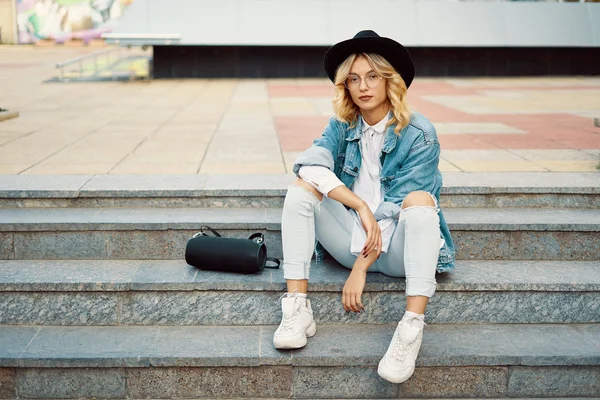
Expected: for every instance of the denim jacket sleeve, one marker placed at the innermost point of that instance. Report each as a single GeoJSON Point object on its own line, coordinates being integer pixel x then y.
{"type": "Point", "coordinates": [324, 150]}
{"type": "Point", "coordinates": [418, 172]}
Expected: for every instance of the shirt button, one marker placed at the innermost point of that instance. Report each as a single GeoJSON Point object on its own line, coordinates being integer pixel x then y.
{"type": "Point", "coordinates": [355, 169]}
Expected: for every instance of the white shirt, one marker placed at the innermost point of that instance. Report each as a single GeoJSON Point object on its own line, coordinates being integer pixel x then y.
{"type": "Point", "coordinates": [367, 185]}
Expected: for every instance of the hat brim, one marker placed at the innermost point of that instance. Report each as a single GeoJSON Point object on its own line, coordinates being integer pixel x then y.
{"type": "Point", "coordinates": [396, 54]}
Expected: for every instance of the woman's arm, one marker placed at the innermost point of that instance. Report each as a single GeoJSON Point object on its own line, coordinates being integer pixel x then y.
{"type": "Point", "coordinates": [348, 198]}
{"type": "Point", "coordinates": [321, 178]}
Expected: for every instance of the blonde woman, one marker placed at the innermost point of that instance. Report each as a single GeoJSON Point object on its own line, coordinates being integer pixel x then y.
{"type": "Point", "coordinates": [368, 192]}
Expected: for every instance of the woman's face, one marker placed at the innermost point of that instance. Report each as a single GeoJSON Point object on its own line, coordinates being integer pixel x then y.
{"type": "Point", "coordinates": [367, 89]}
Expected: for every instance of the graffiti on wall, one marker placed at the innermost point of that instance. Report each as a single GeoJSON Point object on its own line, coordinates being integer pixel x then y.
{"type": "Point", "coordinates": [65, 19]}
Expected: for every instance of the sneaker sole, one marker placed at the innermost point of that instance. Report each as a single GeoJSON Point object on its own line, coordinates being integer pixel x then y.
{"type": "Point", "coordinates": [389, 376]}
{"type": "Point", "coordinates": [296, 343]}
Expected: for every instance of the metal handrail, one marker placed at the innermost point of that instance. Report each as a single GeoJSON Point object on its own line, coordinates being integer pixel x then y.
{"type": "Point", "coordinates": [83, 58]}
{"type": "Point", "coordinates": [142, 38]}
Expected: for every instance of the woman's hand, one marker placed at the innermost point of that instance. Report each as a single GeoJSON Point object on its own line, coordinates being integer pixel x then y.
{"type": "Point", "coordinates": [353, 289]}
{"type": "Point", "coordinates": [373, 230]}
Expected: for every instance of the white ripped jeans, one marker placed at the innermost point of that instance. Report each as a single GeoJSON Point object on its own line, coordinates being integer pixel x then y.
{"type": "Point", "coordinates": [413, 251]}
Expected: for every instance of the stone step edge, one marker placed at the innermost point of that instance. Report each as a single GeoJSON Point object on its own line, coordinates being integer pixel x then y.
{"type": "Point", "coordinates": [176, 275]}
{"type": "Point", "coordinates": [82, 186]}
{"type": "Point", "coordinates": [83, 219]}
{"type": "Point", "coordinates": [333, 346]}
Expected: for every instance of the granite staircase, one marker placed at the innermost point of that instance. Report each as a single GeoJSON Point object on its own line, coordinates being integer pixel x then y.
{"type": "Point", "coordinates": [97, 302]}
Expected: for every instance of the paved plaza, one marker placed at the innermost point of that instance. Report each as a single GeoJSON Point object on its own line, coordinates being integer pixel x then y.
{"type": "Point", "coordinates": [259, 126]}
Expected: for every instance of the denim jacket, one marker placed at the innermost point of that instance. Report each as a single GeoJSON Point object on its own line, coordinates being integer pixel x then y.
{"type": "Point", "coordinates": [409, 162]}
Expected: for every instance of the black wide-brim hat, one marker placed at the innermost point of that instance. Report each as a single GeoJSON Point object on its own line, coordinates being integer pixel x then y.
{"type": "Point", "coordinates": [371, 42]}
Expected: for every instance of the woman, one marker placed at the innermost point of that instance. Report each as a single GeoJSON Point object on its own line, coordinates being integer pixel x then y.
{"type": "Point", "coordinates": [368, 191]}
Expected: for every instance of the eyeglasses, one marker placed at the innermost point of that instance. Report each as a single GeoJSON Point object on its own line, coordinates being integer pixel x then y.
{"type": "Point", "coordinates": [372, 80]}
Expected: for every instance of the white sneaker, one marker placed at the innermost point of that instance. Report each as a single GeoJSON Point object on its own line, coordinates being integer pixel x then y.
{"type": "Point", "coordinates": [398, 363]}
{"type": "Point", "coordinates": [297, 324]}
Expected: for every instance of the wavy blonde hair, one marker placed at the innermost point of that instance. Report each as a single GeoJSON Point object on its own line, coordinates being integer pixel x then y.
{"type": "Point", "coordinates": [347, 111]}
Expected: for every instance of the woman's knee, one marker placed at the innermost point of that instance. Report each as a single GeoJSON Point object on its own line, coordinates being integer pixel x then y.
{"type": "Point", "coordinates": [418, 199]}
{"type": "Point", "coordinates": [300, 182]}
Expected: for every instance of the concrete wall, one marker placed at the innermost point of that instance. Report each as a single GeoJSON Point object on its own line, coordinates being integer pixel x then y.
{"type": "Point", "coordinates": [417, 23]}
{"type": "Point", "coordinates": [8, 23]}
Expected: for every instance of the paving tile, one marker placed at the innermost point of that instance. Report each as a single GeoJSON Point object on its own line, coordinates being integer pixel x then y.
{"type": "Point", "coordinates": [480, 128]}
{"type": "Point", "coordinates": [156, 168]}
{"type": "Point", "coordinates": [298, 133]}
{"type": "Point", "coordinates": [444, 166]}
{"type": "Point", "coordinates": [466, 142]}
{"type": "Point", "coordinates": [292, 106]}
{"type": "Point", "coordinates": [240, 168]}
{"type": "Point", "coordinates": [69, 169]}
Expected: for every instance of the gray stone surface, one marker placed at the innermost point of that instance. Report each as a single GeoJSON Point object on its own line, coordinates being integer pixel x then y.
{"type": "Point", "coordinates": [170, 244]}
{"type": "Point", "coordinates": [522, 219]}
{"type": "Point", "coordinates": [236, 346]}
{"type": "Point", "coordinates": [7, 251]}
{"type": "Point", "coordinates": [166, 275]}
{"type": "Point", "coordinates": [85, 347]}
{"type": "Point", "coordinates": [455, 382]}
{"type": "Point", "coordinates": [13, 342]}
{"type": "Point", "coordinates": [198, 308]}
{"type": "Point", "coordinates": [71, 383]}
{"type": "Point", "coordinates": [8, 386]}
{"type": "Point", "coordinates": [141, 245]}
{"type": "Point", "coordinates": [42, 186]}
{"type": "Point", "coordinates": [268, 354]}
{"type": "Point", "coordinates": [554, 200]}
{"type": "Point", "coordinates": [272, 381]}
{"type": "Point", "coordinates": [59, 245]}
{"type": "Point", "coordinates": [553, 381]}
{"type": "Point", "coordinates": [58, 308]}
{"type": "Point", "coordinates": [555, 246]}
{"type": "Point", "coordinates": [597, 122]}
{"type": "Point", "coordinates": [580, 341]}
{"type": "Point", "coordinates": [472, 219]}
{"type": "Point", "coordinates": [473, 245]}
{"type": "Point", "coordinates": [525, 182]}
{"type": "Point", "coordinates": [137, 219]}
{"type": "Point", "coordinates": [207, 307]}
{"type": "Point", "coordinates": [499, 307]}
{"type": "Point", "coordinates": [143, 185]}
{"type": "Point", "coordinates": [77, 275]}
{"type": "Point", "coordinates": [485, 183]}
{"type": "Point", "coordinates": [208, 199]}
{"type": "Point", "coordinates": [172, 293]}
{"type": "Point", "coordinates": [353, 345]}
{"type": "Point", "coordinates": [224, 185]}
{"type": "Point", "coordinates": [350, 382]}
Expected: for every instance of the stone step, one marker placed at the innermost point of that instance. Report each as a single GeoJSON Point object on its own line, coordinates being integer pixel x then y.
{"type": "Point", "coordinates": [156, 233]}
{"type": "Point", "coordinates": [456, 361]}
{"type": "Point", "coordinates": [529, 189]}
{"type": "Point", "coordinates": [92, 292]}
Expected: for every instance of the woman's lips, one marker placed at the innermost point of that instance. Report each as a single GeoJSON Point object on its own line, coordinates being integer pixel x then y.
{"type": "Point", "coordinates": [365, 98]}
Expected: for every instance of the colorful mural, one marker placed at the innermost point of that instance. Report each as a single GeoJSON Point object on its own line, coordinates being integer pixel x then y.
{"type": "Point", "coordinates": [65, 19]}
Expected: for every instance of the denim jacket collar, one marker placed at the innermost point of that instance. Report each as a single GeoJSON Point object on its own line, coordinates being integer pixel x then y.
{"type": "Point", "coordinates": [389, 143]}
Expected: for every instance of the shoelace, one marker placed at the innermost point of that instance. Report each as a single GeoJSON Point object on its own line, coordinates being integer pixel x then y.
{"type": "Point", "coordinates": [289, 323]}
{"type": "Point", "coordinates": [401, 350]}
